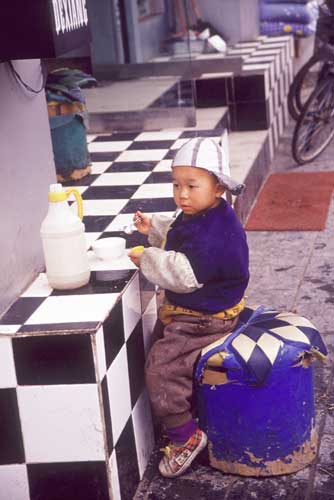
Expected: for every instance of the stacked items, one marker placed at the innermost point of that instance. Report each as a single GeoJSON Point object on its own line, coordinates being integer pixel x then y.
{"type": "Point", "coordinates": [68, 121]}
{"type": "Point", "coordinates": [201, 37]}
{"type": "Point", "coordinates": [297, 17]}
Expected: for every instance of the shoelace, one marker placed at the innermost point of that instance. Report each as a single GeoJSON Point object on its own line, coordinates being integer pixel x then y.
{"type": "Point", "coordinates": [167, 450]}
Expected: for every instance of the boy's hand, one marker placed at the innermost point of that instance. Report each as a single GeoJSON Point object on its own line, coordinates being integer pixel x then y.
{"type": "Point", "coordinates": [135, 254]}
{"type": "Point", "coordinates": [142, 222]}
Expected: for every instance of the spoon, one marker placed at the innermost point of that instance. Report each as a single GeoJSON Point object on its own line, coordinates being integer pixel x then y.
{"type": "Point", "coordinates": [131, 228]}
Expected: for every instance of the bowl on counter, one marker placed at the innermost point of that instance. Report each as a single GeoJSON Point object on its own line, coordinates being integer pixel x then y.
{"type": "Point", "coordinates": [109, 248]}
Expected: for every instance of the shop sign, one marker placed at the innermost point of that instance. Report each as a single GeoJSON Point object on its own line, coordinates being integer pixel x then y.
{"type": "Point", "coordinates": [42, 28]}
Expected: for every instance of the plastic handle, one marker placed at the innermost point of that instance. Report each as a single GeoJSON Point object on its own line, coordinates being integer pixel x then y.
{"type": "Point", "coordinates": [78, 199]}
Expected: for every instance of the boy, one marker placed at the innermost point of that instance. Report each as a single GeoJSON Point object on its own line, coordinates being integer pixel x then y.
{"type": "Point", "coordinates": [203, 267]}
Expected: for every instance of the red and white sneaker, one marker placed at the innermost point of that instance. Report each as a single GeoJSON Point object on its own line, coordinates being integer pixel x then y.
{"type": "Point", "coordinates": [177, 459]}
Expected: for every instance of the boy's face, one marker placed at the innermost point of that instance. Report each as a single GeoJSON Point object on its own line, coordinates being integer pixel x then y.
{"type": "Point", "coordinates": [195, 189]}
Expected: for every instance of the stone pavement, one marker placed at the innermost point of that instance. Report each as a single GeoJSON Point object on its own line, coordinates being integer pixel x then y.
{"type": "Point", "coordinates": [292, 271]}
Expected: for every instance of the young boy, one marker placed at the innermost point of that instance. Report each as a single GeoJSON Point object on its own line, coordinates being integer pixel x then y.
{"type": "Point", "coordinates": [201, 260]}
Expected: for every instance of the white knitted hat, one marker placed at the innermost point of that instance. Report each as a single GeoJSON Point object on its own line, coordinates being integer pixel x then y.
{"type": "Point", "coordinates": [207, 154]}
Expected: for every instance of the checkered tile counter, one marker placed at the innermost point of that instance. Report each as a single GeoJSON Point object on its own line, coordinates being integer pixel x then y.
{"type": "Point", "coordinates": [75, 419]}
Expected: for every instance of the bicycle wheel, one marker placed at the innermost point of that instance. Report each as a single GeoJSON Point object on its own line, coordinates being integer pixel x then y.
{"type": "Point", "coordinates": [304, 83]}
{"type": "Point", "coordinates": [315, 126]}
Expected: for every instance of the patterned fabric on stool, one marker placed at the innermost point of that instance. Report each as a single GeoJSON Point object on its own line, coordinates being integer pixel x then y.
{"type": "Point", "coordinates": [255, 394]}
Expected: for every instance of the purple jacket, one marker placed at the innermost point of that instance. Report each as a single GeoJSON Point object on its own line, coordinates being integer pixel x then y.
{"type": "Point", "coordinates": [216, 246]}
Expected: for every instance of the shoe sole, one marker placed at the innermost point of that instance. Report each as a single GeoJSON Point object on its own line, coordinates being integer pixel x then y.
{"type": "Point", "coordinates": [189, 461]}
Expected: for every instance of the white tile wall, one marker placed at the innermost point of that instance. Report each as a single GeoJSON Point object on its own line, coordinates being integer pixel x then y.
{"type": "Point", "coordinates": [143, 429]}
{"type": "Point", "coordinates": [116, 493]}
{"type": "Point", "coordinates": [61, 423]}
{"type": "Point", "coordinates": [131, 307]}
{"type": "Point", "coordinates": [145, 155]}
{"type": "Point", "coordinates": [121, 178]}
{"type": "Point", "coordinates": [163, 190]}
{"type": "Point", "coordinates": [119, 393]}
{"type": "Point", "coordinates": [7, 367]}
{"type": "Point", "coordinates": [75, 308]}
{"type": "Point", "coordinates": [14, 482]}
{"type": "Point", "coordinates": [102, 147]}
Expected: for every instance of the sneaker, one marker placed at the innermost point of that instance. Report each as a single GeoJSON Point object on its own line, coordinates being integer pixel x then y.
{"type": "Point", "coordinates": [178, 458]}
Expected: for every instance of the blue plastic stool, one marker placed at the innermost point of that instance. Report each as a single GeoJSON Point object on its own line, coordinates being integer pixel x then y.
{"type": "Point", "coordinates": [255, 397]}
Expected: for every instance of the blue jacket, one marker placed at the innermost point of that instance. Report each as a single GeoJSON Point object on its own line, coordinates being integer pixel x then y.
{"type": "Point", "coordinates": [216, 246]}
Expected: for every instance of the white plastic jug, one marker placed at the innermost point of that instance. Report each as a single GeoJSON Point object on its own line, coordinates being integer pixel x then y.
{"type": "Point", "coordinates": [63, 239]}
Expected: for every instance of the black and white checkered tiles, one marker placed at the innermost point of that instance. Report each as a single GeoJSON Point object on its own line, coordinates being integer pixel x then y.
{"type": "Point", "coordinates": [75, 417]}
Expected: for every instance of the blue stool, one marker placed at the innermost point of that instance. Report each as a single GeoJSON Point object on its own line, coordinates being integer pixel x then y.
{"type": "Point", "coordinates": [254, 391]}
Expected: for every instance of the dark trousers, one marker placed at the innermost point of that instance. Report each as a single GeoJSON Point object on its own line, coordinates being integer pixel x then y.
{"type": "Point", "coordinates": [170, 363]}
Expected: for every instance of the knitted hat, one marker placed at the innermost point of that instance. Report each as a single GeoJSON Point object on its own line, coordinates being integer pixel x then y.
{"type": "Point", "coordinates": [207, 154]}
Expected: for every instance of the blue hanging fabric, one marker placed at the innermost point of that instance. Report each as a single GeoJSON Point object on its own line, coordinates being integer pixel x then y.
{"type": "Point", "coordinates": [68, 120]}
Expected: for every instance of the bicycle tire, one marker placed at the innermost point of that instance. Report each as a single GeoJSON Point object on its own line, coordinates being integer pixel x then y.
{"type": "Point", "coordinates": [317, 113]}
{"type": "Point", "coordinates": [303, 85]}
{"type": "Point", "coordinates": [308, 82]}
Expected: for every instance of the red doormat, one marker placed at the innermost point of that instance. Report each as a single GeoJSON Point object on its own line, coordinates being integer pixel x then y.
{"type": "Point", "coordinates": [293, 202]}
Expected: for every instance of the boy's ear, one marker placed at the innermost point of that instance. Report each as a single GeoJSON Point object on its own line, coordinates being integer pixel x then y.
{"type": "Point", "coordinates": [220, 190]}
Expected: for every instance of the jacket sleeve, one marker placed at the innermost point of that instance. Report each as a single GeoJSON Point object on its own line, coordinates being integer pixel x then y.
{"type": "Point", "coordinates": [159, 228]}
{"type": "Point", "coordinates": [170, 270]}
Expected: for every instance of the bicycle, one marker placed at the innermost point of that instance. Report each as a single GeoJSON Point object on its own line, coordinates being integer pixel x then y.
{"type": "Point", "coordinates": [306, 78]}
{"type": "Point", "coordinates": [311, 95]}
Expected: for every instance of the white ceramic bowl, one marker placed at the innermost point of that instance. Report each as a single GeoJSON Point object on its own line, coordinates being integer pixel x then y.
{"type": "Point", "coordinates": [109, 248]}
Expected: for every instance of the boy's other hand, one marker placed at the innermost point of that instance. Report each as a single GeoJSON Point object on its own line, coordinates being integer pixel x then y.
{"type": "Point", "coordinates": [135, 254]}
{"type": "Point", "coordinates": [142, 222]}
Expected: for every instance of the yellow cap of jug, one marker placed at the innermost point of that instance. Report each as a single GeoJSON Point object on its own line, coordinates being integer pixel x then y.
{"type": "Point", "coordinates": [57, 194]}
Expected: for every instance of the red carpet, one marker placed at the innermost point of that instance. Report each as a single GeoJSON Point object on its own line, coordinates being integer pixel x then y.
{"type": "Point", "coordinates": [293, 202]}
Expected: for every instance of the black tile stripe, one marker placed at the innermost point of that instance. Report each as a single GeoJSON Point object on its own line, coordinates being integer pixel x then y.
{"type": "Point", "coordinates": [159, 177]}
{"type": "Point", "coordinates": [142, 145]}
{"type": "Point", "coordinates": [11, 443]}
{"type": "Point", "coordinates": [113, 333]}
{"type": "Point", "coordinates": [211, 92]}
{"type": "Point", "coordinates": [21, 310]}
{"type": "Point", "coordinates": [108, 281]}
{"type": "Point", "coordinates": [149, 205]}
{"type": "Point", "coordinates": [170, 155]}
{"type": "Point", "coordinates": [116, 136]}
{"type": "Point", "coordinates": [68, 481]}
{"type": "Point", "coordinates": [132, 166]}
{"type": "Point", "coordinates": [73, 327]}
{"type": "Point", "coordinates": [97, 223]}
{"type": "Point", "coordinates": [54, 359]}
{"type": "Point", "coordinates": [109, 192]}
{"type": "Point", "coordinates": [250, 88]}
{"type": "Point", "coordinates": [107, 415]}
{"type": "Point", "coordinates": [199, 133]}
{"type": "Point", "coordinates": [111, 156]}
{"type": "Point", "coordinates": [127, 463]}
{"type": "Point", "coordinates": [179, 94]}
{"type": "Point", "coordinates": [136, 362]}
